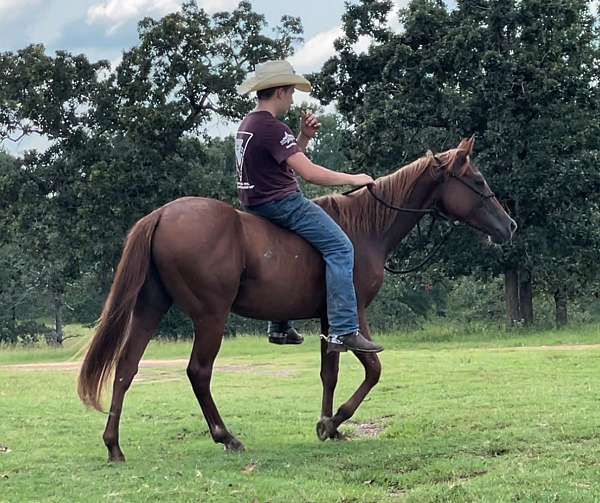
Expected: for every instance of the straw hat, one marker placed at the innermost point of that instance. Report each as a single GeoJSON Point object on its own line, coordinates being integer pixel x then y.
{"type": "Point", "coordinates": [274, 74]}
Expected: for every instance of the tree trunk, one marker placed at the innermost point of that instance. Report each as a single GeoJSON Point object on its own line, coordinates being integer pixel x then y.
{"type": "Point", "coordinates": [560, 300]}
{"type": "Point", "coordinates": [511, 294]}
{"type": "Point", "coordinates": [526, 296]}
{"type": "Point", "coordinates": [59, 334]}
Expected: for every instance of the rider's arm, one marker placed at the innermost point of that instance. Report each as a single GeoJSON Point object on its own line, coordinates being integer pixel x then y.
{"type": "Point", "coordinates": [302, 142]}
{"type": "Point", "coordinates": [319, 175]}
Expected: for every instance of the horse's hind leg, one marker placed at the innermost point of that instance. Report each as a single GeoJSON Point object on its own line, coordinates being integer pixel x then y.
{"type": "Point", "coordinates": [207, 341]}
{"type": "Point", "coordinates": [151, 306]}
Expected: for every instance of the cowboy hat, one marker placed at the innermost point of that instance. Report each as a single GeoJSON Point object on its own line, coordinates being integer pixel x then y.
{"type": "Point", "coordinates": [274, 74]}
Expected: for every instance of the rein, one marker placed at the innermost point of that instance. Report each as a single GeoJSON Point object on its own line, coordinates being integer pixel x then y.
{"type": "Point", "coordinates": [434, 212]}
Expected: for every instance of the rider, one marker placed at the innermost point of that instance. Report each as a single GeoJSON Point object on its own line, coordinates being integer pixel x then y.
{"type": "Point", "coordinates": [268, 155]}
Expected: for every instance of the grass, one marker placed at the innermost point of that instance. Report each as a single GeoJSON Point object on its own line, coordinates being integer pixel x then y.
{"type": "Point", "coordinates": [455, 418]}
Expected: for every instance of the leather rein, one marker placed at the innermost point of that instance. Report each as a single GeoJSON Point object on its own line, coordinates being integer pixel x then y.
{"type": "Point", "coordinates": [435, 212]}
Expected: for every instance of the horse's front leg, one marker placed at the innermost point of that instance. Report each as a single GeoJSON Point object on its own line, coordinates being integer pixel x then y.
{"type": "Point", "coordinates": [330, 363]}
{"type": "Point", "coordinates": [372, 367]}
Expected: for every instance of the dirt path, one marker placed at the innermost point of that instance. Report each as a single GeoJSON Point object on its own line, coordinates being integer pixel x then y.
{"type": "Point", "coordinates": [180, 363]}
{"type": "Point", "coordinates": [260, 368]}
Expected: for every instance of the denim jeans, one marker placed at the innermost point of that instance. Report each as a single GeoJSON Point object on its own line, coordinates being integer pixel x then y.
{"type": "Point", "coordinates": [305, 218]}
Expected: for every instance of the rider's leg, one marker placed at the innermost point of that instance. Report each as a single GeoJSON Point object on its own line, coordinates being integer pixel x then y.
{"type": "Point", "coordinates": [283, 332]}
{"type": "Point", "coordinates": [310, 221]}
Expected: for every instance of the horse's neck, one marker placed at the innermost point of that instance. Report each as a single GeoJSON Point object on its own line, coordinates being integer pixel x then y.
{"type": "Point", "coordinates": [421, 198]}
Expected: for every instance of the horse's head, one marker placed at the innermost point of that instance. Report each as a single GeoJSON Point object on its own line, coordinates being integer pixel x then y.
{"type": "Point", "coordinates": [465, 195]}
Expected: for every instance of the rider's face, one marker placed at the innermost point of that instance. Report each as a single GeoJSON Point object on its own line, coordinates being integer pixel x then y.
{"type": "Point", "coordinates": [286, 98]}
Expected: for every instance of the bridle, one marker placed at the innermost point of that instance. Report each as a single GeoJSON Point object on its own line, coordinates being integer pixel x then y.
{"type": "Point", "coordinates": [435, 212]}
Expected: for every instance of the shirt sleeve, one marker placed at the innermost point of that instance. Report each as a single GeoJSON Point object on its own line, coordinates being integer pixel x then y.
{"type": "Point", "coordinates": [281, 142]}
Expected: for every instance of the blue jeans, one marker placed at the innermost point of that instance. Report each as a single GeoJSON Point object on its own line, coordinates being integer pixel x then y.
{"type": "Point", "coordinates": [305, 218]}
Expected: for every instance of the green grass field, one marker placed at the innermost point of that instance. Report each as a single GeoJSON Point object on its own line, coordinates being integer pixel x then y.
{"type": "Point", "coordinates": [478, 417]}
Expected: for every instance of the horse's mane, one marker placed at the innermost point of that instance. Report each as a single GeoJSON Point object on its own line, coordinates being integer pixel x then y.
{"type": "Point", "coordinates": [361, 212]}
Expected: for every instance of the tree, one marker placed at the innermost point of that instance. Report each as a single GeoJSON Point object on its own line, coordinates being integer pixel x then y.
{"type": "Point", "coordinates": [518, 74]}
{"type": "Point", "coordinates": [186, 69]}
{"type": "Point", "coordinates": [18, 278]}
{"type": "Point", "coordinates": [123, 143]}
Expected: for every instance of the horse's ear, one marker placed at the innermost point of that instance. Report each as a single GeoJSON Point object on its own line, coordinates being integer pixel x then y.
{"type": "Point", "coordinates": [463, 146]}
{"type": "Point", "coordinates": [466, 145]}
{"type": "Point", "coordinates": [471, 144]}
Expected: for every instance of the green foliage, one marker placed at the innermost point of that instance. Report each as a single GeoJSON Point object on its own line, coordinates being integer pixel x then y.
{"type": "Point", "coordinates": [186, 69]}
{"type": "Point", "coordinates": [523, 77]}
{"type": "Point", "coordinates": [124, 142]}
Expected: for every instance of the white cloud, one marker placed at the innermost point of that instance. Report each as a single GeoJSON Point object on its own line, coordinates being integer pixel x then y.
{"type": "Point", "coordinates": [116, 13]}
{"type": "Point", "coordinates": [319, 48]}
{"type": "Point", "coordinates": [212, 6]}
{"type": "Point", "coordinates": [315, 51]}
{"type": "Point", "coordinates": [11, 8]}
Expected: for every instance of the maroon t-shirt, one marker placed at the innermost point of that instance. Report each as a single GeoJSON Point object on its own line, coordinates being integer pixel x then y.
{"type": "Point", "coordinates": [262, 147]}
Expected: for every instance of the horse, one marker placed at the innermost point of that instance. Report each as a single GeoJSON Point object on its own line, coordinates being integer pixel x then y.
{"type": "Point", "coordinates": [209, 258]}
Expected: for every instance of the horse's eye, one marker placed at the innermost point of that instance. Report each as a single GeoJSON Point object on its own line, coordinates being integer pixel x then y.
{"type": "Point", "coordinates": [480, 182]}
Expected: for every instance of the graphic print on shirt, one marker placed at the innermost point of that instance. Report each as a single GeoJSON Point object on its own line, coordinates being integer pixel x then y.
{"type": "Point", "coordinates": [241, 143]}
{"type": "Point", "coordinates": [288, 140]}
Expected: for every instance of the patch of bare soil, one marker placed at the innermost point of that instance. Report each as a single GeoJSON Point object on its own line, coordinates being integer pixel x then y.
{"type": "Point", "coordinates": [370, 429]}
{"type": "Point", "coordinates": [556, 347]}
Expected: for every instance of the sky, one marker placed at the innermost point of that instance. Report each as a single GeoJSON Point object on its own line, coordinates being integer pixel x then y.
{"type": "Point", "coordinates": [103, 29]}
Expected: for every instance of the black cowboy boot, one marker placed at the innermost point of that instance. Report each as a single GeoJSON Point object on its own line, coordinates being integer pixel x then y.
{"type": "Point", "coordinates": [353, 341]}
{"type": "Point", "coordinates": [281, 332]}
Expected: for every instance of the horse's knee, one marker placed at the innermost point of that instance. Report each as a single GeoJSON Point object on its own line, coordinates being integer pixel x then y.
{"type": "Point", "coordinates": [199, 374]}
{"type": "Point", "coordinates": [373, 373]}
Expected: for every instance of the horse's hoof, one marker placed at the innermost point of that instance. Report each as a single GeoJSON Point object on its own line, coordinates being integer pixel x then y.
{"type": "Point", "coordinates": [326, 429]}
{"type": "Point", "coordinates": [234, 445]}
{"type": "Point", "coordinates": [116, 458]}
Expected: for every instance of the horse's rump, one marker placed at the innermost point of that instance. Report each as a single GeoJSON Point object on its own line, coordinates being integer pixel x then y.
{"type": "Point", "coordinates": [204, 244]}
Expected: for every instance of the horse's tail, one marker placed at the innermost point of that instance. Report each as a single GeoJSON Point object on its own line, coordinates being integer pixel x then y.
{"type": "Point", "coordinates": [112, 331]}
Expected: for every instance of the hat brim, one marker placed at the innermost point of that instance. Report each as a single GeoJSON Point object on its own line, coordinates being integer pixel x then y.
{"type": "Point", "coordinates": [258, 84]}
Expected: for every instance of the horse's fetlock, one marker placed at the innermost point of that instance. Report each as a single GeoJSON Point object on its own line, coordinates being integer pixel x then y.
{"type": "Point", "coordinates": [110, 439]}
{"type": "Point", "coordinates": [219, 435]}
{"type": "Point", "coordinates": [342, 414]}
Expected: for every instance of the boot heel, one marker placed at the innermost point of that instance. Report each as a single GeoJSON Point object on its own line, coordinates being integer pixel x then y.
{"type": "Point", "coordinates": [332, 347]}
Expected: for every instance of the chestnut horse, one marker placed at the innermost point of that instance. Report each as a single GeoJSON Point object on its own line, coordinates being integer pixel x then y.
{"type": "Point", "coordinates": [210, 259]}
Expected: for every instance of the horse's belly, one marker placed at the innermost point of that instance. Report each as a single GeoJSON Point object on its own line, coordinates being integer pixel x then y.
{"type": "Point", "coordinates": [284, 276]}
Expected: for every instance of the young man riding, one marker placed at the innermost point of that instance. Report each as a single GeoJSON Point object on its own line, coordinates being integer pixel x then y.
{"type": "Point", "coordinates": [268, 155]}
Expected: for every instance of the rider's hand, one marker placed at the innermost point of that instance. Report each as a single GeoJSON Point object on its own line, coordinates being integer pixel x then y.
{"type": "Point", "coordinates": [362, 179]}
{"type": "Point", "coordinates": [309, 124]}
